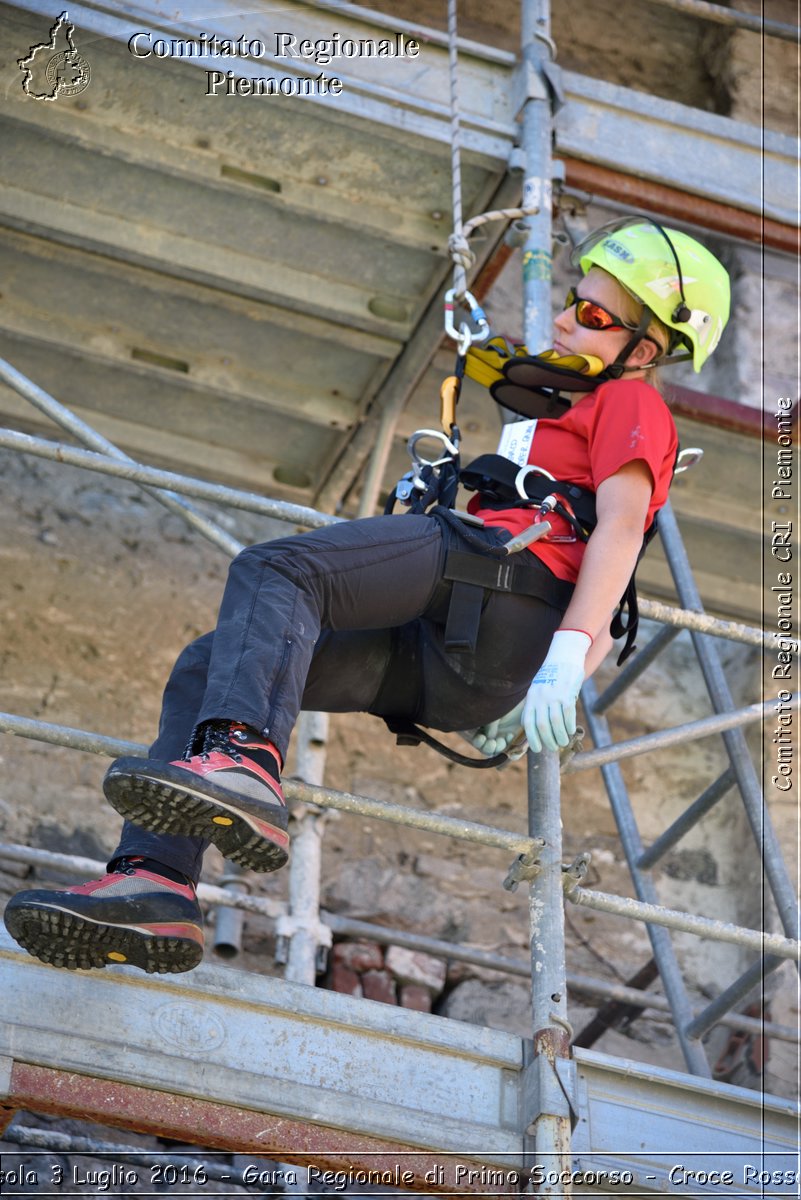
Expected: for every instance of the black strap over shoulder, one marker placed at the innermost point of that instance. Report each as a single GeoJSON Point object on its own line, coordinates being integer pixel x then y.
{"type": "Point", "coordinates": [495, 479]}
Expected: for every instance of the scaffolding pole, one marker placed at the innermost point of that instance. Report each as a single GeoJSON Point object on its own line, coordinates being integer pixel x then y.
{"type": "Point", "coordinates": [548, 1102]}
{"type": "Point", "coordinates": [295, 790]}
{"type": "Point", "coordinates": [67, 419]}
{"type": "Point", "coordinates": [734, 18]}
{"type": "Point", "coordinates": [303, 939]}
{"type": "Point", "coordinates": [153, 477]}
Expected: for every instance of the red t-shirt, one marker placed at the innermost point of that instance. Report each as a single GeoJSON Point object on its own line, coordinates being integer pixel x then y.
{"type": "Point", "coordinates": [623, 421]}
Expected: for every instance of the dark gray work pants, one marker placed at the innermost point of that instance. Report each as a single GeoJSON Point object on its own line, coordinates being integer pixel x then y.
{"type": "Point", "coordinates": [349, 618]}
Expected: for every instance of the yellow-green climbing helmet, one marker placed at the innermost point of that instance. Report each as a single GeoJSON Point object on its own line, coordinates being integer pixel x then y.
{"type": "Point", "coordinates": [669, 272]}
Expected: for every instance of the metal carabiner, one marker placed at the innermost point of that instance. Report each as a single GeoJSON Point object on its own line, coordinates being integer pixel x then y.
{"type": "Point", "coordinates": [522, 474]}
{"type": "Point", "coordinates": [465, 339]}
{"type": "Point", "coordinates": [451, 448]}
{"type": "Point", "coordinates": [464, 335]}
{"type": "Point", "coordinates": [688, 458]}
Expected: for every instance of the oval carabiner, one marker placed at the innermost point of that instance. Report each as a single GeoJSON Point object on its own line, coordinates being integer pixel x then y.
{"type": "Point", "coordinates": [464, 335]}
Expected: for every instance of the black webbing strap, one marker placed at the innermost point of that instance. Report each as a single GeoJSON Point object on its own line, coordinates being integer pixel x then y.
{"type": "Point", "coordinates": [409, 734]}
{"type": "Point", "coordinates": [495, 479]}
{"type": "Point", "coordinates": [464, 618]}
{"type": "Point", "coordinates": [400, 688]}
{"type": "Point", "coordinates": [474, 574]}
{"type": "Point", "coordinates": [630, 609]}
{"type": "Point", "coordinates": [522, 575]}
{"type": "Point", "coordinates": [626, 620]}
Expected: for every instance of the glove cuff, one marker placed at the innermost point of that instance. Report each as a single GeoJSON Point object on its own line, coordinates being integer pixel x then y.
{"type": "Point", "coordinates": [584, 631]}
{"type": "Point", "coordinates": [572, 643]}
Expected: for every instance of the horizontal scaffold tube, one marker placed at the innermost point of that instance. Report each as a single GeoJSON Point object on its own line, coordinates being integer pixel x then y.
{"type": "Point", "coordinates": [733, 17]}
{"type": "Point", "coordinates": [281, 510]}
{"type": "Point", "coordinates": [90, 437]}
{"type": "Point", "coordinates": [351, 927]}
{"type": "Point", "coordinates": [301, 793]}
{"type": "Point", "coordinates": [691, 732]}
{"type": "Point", "coordinates": [310, 518]}
{"type": "Point", "coordinates": [655, 914]}
{"type": "Point", "coordinates": [699, 622]}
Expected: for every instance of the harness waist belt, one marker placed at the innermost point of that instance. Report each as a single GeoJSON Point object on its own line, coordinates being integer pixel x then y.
{"type": "Point", "coordinates": [473, 574]}
{"type": "Point", "coordinates": [526, 578]}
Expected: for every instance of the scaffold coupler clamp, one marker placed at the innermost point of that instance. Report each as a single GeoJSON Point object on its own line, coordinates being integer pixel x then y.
{"type": "Point", "coordinates": [550, 1084]}
{"type": "Point", "coordinates": [573, 747]}
{"type": "Point", "coordinates": [286, 925]}
{"type": "Point", "coordinates": [525, 867]}
{"type": "Point", "coordinates": [573, 875]}
{"type": "Point", "coordinates": [465, 335]}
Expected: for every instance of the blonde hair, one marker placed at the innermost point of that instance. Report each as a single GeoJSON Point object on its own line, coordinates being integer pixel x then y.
{"type": "Point", "coordinates": [630, 309]}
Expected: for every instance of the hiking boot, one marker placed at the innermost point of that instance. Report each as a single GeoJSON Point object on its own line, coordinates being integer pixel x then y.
{"type": "Point", "coordinates": [225, 790]}
{"type": "Point", "coordinates": [132, 915]}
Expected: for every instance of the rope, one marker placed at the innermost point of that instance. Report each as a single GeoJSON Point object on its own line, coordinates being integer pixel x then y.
{"type": "Point", "coordinates": [461, 254]}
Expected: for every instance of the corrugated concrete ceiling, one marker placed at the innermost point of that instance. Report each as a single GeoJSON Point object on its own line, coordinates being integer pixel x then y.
{"type": "Point", "coordinates": [239, 286]}
{"type": "Point", "coordinates": [219, 283]}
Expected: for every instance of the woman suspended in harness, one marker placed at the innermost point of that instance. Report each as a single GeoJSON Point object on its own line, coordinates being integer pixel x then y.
{"type": "Point", "coordinates": [354, 617]}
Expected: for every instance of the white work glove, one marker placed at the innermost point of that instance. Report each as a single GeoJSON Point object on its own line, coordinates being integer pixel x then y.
{"type": "Point", "coordinates": [549, 709]}
{"type": "Point", "coordinates": [498, 736]}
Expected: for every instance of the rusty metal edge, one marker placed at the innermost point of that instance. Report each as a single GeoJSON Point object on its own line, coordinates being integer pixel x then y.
{"type": "Point", "coordinates": [237, 1130]}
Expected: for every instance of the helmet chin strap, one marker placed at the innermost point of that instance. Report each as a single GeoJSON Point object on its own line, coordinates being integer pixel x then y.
{"type": "Point", "coordinates": [618, 367]}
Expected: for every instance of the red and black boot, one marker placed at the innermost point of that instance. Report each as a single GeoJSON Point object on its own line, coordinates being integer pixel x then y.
{"type": "Point", "coordinates": [226, 790]}
{"type": "Point", "coordinates": [141, 913]}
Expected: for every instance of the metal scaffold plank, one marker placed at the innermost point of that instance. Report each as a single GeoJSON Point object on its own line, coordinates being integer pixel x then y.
{"type": "Point", "coordinates": [197, 261]}
{"type": "Point", "coordinates": [312, 1147]}
{"type": "Point", "coordinates": [634, 1117]}
{"type": "Point", "coordinates": [711, 156]}
{"type": "Point", "coordinates": [233, 1061]}
{"type": "Point", "coordinates": [262, 1044]}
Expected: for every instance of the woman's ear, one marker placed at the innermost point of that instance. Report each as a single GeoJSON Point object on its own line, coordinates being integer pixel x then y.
{"type": "Point", "coordinates": [643, 353]}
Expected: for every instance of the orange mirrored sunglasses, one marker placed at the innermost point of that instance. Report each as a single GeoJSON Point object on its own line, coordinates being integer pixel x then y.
{"type": "Point", "coordinates": [592, 315]}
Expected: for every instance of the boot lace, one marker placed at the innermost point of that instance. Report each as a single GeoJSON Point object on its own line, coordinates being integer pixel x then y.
{"type": "Point", "coordinates": [124, 866]}
{"type": "Point", "coordinates": [209, 738]}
